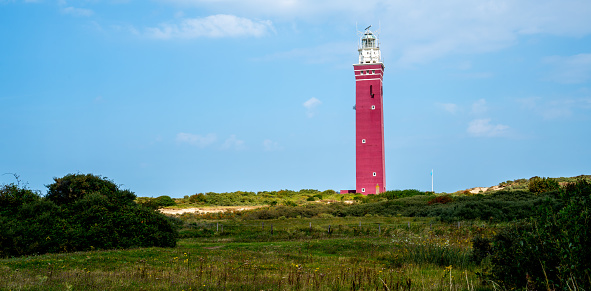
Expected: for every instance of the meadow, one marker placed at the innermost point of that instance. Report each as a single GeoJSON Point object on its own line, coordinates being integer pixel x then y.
{"type": "Point", "coordinates": [86, 235]}
{"type": "Point", "coordinates": [385, 253]}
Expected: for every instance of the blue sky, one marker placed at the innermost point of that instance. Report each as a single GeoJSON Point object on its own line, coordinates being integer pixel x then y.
{"type": "Point", "coordinates": [177, 97]}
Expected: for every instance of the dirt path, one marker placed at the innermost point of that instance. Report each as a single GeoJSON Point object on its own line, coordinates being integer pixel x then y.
{"type": "Point", "coordinates": [201, 210]}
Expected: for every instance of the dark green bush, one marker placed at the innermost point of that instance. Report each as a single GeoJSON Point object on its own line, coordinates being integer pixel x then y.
{"type": "Point", "coordinates": [73, 187]}
{"type": "Point", "coordinates": [541, 185]}
{"type": "Point", "coordinates": [80, 212]}
{"type": "Point", "coordinates": [551, 250]}
{"type": "Point", "coordinates": [481, 248]}
{"type": "Point", "coordinates": [198, 198]}
{"type": "Point", "coordinates": [163, 201]}
{"type": "Point", "coordinates": [396, 194]}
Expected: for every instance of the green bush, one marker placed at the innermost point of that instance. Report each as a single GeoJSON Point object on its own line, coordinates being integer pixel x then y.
{"type": "Point", "coordinates": [551, 250]}
{"type": "Point", "coordinates": [163, 201]}
{"type": "Point", "coordinates": [396, 194]}
{"type": "Point", "coordinates": [541, 185]}
{"type": "Point", "coordinates": [73, 187]}
{"type": "Point", "coordinates": [80, 212]}
{"type": "Point", "coordinates": [198, 198]}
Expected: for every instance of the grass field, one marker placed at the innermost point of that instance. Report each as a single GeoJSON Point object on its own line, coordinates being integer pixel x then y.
{"type": "Point", "coordinates": [384, 254]}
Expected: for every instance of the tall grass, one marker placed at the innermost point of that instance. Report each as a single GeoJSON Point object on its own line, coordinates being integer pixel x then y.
{"type": "Point", "coordinates": [422, 257]}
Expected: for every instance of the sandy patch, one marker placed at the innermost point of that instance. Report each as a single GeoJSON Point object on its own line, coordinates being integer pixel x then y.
{"type": "Point", "coordinates": [203, 210]}
{"type": "Point", "coordinates": [484, 189]}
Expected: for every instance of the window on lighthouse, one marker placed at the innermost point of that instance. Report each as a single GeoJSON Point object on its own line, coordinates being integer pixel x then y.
{"type": "Point", "coordinates": [374, 174]}
{"type": "Point", "coordinates": [373, 107]}
{"type": "Point", "coordinates": [363, 141]}
{"type": "Point", "coordinates": [362, 189]}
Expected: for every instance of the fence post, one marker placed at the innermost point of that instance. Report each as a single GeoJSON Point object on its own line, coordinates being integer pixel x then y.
{"type": "Point", "coordinates": [408, 225]}
{"type": "Point", "coordinates": [458, 225]}
{"type": "Point", "coordinates": [271, 229]}
{"type": "Point", "coordinates": [379, 229]}
{"type": "Point", "coordinates": [222, 228]}
{"type": "Point", "coordinates": [360, 224]}
{"type": "Point", "coordinates": [217, 226]}
{"type": "Point", "coordinates": [310, 225]}
{"type": "Point", "coordinates": [263, 225]}
{"type": "Point", "coordinates": [329, 229]}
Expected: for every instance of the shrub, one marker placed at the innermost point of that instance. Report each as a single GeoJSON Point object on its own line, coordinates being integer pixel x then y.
{"type": "Point", "coordinates": [541, 185]}
{"type": "Point", "coordinates": [198, 198]}
{"type": "Point", "coordinates": [73, 187]}
{"type": "Point", "coordinates": [441, 199]}
{"type": "Point", "coordinates": [396, 194]}
{"type": "Point", "coordinates": [551, 250]}
{"type": "Point", "coordinates": [80, 212]}
{"type": "Point", "coordinates": [163, 201]}
{"type": "Point", "coordinates": [481, 248]}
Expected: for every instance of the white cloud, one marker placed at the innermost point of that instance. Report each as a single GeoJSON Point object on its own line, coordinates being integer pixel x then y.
{"type": "Point", "coordinates": [554, 109]}
{"type": "Point", "coordinates": [479, 107]}
{"type": "Point", "coordinates": [483, 128]}
{"type": "Point", "coordinates": [311, 105]}
{"type": "Point", "coordinates": [220, 25]}
{"type": "Point", "coordinates": [195, 139]}
{"type": "Point", "coordinates": [233, 143]}
{"type": "Point", "coordinates": [419, 31]}
{"type": "Point", "coordinates": [570, 69]}
{"type": "Point", "coordinates": [269, 145]}
{"type": "Point", "coordinates": [449, 107]}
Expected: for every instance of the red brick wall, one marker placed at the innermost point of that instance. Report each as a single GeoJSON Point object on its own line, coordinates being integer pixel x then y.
{"type": "Point", "coordinates": [369, 126]}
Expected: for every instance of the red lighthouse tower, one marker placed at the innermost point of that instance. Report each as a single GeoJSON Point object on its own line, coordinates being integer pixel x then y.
{"type": "Point", "coordinates": [369, 117]}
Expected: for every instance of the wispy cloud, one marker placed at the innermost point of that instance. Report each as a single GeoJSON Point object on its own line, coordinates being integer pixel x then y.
{"type": "Point", "coordinates": [449, 107]}
{"type": "Point", "coordinates": [479, 107]}
{"type": "Point", "coordinates": [570, 69]}
{"type": "Point", "coordinates": [555, 109]}
{"type": "Point", "coordinates": [311, 105]}
{"type": "Point", "coordinates": [483, 128]}
{"type": "Point", "coordinates": [233, 143]}
{"type": "Point", "coordinates": [269, 145]}
{"type": "Point", "coordinates": [220, 25]}
{"type": "Point", "coordinates": [196, 139]}
{"type": "Point", "coordinates": [78, 12]}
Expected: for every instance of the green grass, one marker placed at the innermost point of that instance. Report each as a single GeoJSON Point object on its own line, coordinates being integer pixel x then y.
{"type": "Point", "coordinates": [417, 258]}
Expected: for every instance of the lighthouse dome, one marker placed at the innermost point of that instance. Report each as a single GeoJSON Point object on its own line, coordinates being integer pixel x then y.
{"type": "Point", "coordinates": [369, 48]}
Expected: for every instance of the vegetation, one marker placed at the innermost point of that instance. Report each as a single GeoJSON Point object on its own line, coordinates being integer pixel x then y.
{"type": "Point", "coordinates": [501, 206]}
{"type": "Point", "coordinates": [551, 250]}
{"type": "Point", "coordinates": [424, 256]}
{"type": "Point", "coordinates": [541, 185]}
{"type": "Point", "coordinates": [532, 234]}
{"type": "Point", "coordinates": [243, 198]}
{"type": "Point", "coordinates": [80, 212]}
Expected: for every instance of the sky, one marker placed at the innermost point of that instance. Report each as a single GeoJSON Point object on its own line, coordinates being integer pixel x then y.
{"type": "Point", "coordinates": [177, 97]}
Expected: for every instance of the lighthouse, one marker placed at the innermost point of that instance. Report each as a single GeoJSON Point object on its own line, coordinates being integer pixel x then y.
{"type": "Point", "coordinates": [369, 117]}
